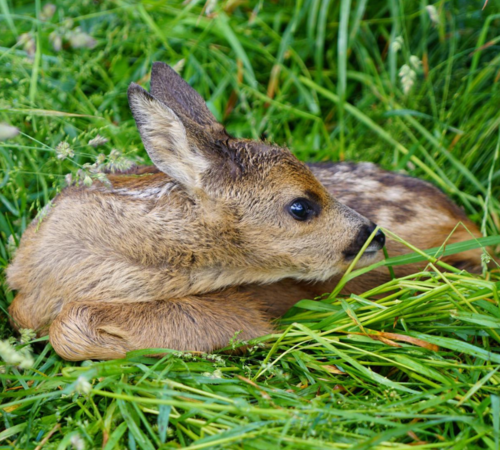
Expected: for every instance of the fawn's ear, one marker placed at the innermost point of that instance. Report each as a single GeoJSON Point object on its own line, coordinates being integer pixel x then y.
{"type": "Point", "coordinates": [168, 87]}
{"type": "Point", "coordinates": [165, 139]}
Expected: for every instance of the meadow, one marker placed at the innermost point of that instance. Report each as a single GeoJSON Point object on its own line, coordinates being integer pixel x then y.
{"type": "Point", "coordinates": [409, 85]}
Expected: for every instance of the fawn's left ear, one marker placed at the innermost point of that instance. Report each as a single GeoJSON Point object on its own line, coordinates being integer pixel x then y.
{"type": "Point", "coordinates": [165, 139]}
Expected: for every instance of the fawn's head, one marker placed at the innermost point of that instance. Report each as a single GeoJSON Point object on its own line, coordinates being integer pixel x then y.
{"type": "Point", "coordinates": [283, 222]}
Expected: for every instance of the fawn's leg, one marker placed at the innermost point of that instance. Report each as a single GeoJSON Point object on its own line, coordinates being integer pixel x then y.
{"type": "Point", "coordinates": [21, 316]}
{"type": "Point", "coordinates": [93, 330]}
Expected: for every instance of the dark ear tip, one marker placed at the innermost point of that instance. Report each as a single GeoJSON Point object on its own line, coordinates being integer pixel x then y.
{"type": "Point", "coordinates": [160, 65]}
{"type": "Point", "coordinates": [133, 87]}
{"type": "Point", "coordinates": [161, 68]}
{"type": "Point", "coordinates": [136, 91]}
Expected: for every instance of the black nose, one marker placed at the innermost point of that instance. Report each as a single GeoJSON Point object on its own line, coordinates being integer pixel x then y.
{"type": "Point", "coordinates": [366, 231]}
{"type": "Point", "coordinates": [379, 238]}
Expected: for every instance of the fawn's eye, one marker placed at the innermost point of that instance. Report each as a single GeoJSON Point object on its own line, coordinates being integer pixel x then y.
{"type": "Point", "coordinates": [301, 209]}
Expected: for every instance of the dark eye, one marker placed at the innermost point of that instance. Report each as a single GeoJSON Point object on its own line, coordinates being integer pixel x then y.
{"type": "Point", "coordinates": [301, 209]}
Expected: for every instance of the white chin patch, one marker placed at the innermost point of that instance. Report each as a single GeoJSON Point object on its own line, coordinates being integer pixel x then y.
{"type": "Point", "coordinates": [371, 252]}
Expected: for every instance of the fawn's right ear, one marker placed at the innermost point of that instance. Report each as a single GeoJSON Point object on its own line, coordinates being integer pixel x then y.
{"type": "Point", "coordinates": [170, 88]}
{"type": "Point", "coordinates": [164, 137]}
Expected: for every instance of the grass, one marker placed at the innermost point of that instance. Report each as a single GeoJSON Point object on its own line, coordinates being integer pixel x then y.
{"type": "Point", "coordinates": [415, 368]}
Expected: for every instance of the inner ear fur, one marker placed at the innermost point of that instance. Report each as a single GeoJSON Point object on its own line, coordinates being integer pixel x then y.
{"type": "Point", "coordinates": [165, 138]}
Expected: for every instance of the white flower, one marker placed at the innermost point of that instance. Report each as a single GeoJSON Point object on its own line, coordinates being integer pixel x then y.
{"type": "Point", "coordinates": [485, 258]}
{"type": "Point", "coordinates": [48, 12]}
{"type": "Point", "coordinates": [415, 62]}
{"type": "Point", "coordinates": [103, 178]}
{"type": "Point", "coordinates": [11, 246]}
{"type": "Point", "coordinates": [87, 181]}
{"type": "Point", "coordinates": [28, 42]}
{"type": "Point", "coordinates": [11, 356]}
{"type": "Point", "coordinates": [408, 77]}
{"type": "Point", "coordinates": [27, 335]}
{"type": "Point", "coordinates": [217, 373]}
{"type": "Point", "coordinates": [397, 44]}
{"type": "Point", "coordinates": [210, 6]}
{"type": "Point", "coordinates": [77, 442]}
{"type": "Point", "coordinates": [56, 40]}
{"type": "Point", "coordinates": [80, 39]}
{"type": "Point", "coordinates": [68, 23]}
{"type": "Point", "coordinates": [433, 14]}
{"type": "Point", "coordinates": [82, 177]}
{"type": "Point", "coordinates": [82, 386]}
{"type": "Point", "coordinates": [117, 162]}
{"type": "Point", "coordinates": [63, 151]}
{"type": "Point", "coordinates": [98, 140]}
{"type": "Point", "coordinates": [7, 131]}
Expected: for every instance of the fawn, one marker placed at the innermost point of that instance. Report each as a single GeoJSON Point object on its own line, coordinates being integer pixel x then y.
{"type": "Point", "coordinates": [220, 236]}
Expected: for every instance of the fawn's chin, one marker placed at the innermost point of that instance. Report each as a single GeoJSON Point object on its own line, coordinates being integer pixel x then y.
{"type": "Point", "coordinates": [367, 258]}
{"type": "Point", "coordinates": [370, 257]}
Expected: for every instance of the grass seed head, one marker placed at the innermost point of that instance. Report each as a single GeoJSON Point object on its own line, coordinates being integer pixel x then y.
{"type": "Point", "coordinates": [63, 151]}
{"type": "Point", "coordinates": [433, 14]}
{"type": "Point", "coordinates": [48, 12]}
{"type": "Point", "coordinates": [56, 41]}
{"type": "Point", "coordinates": [19, 358]}
{"type": "Point", "coordinates": [7, 131]}
{"type": "Point", "coordinates": [408, 76]}
{"type": "Point", "coordinates": [79, 39]}
{"type": "Point", "coordinates": [97, 141]}
{"type": "Point", "coordinates": [28, 43]}
{"type": "Point", "coordinates": [82, 385]}
{"type": "Point", "coordinates": [397, 44]}
{"type": "Point", "coordinates": [77, 442]}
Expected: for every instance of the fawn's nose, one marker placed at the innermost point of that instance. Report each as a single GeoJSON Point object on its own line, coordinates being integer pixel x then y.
{"type": "Point", "coordinates": [379, 238]}
{"type": "Point", "coordinates": [376, 244]}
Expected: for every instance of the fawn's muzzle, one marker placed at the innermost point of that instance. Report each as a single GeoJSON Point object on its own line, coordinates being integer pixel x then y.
{"type": "Point", "coordinates": [376, 244]}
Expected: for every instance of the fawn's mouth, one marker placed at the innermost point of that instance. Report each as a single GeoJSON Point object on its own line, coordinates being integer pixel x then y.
{"type": "Point", "coordinates": [367, 254]}
{"type": "Point", "coordinates": [371, 251]}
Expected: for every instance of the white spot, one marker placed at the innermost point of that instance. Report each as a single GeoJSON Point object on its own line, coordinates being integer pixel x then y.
{"type": "Point", "coordinates": [149, 193]}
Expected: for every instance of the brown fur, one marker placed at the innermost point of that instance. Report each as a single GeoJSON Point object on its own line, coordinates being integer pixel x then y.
{"type": "Point", "coordinates": [187, 253]}
{"type": "Point", "coordinates": [94, 330]}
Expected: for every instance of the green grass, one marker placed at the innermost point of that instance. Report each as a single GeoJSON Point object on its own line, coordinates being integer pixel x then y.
{"type": "Point", "coordinates": [416, 368]}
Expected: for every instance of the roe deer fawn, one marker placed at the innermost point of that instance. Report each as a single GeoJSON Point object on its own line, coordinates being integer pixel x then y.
{"type": "Point", "coordinates": [222, 235]}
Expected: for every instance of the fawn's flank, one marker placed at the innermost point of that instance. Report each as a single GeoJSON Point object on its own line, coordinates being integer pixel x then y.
{"type": "Point", "coordinates": [220, 236]}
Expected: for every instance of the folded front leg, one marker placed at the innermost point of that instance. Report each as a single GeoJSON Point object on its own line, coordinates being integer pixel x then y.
{"type": "Point", "coordinates": [93, 330]}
